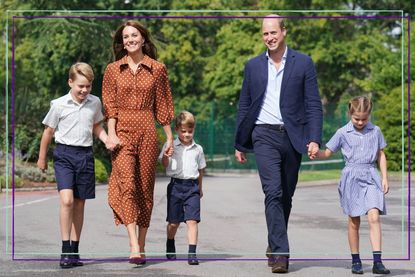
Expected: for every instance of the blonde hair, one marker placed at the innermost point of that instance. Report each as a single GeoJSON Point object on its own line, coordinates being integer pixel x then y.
{"type": "Point", "coordinates": [360, 104]}
{"type": "Point", "coordinates": [83, 69]}
{"type": "Point", "coordinates": [184, 119]}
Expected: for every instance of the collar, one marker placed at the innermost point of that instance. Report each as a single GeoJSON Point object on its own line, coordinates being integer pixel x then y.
{"type": "Point", "coordinates": [177, 142]}
{"type": "Point", "coordinates": [146, 61]}
{"type": "Point", "coordinates": [350, 128]}
{"type": "Point", "coordinates": [68, 98]}
{"type": "Point", "coordinates": [284, 56]}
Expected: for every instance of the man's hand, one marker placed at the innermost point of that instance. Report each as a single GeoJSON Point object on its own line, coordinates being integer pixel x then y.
{"type": "Point", "coordinates": [312, 150]}
{"type": "Point", "coordinates": [240, 157]}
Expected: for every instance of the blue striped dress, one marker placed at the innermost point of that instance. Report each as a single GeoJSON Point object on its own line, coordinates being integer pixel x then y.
{"type": "Point", "coordinates": [360, 186]}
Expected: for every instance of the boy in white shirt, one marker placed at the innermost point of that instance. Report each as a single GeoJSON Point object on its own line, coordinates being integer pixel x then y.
{"type": "Point", "coordinates": [73, 119]}
{"type": "Point", "coordinates": [185, 167]}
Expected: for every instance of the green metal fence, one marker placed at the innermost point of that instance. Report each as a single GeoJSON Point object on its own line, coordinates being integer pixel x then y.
{"type": "Point", "coordinates": [215, 131]}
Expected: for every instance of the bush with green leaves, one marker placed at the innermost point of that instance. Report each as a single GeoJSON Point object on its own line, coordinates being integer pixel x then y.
{"type": "Point", "coordinates": [101, 174]}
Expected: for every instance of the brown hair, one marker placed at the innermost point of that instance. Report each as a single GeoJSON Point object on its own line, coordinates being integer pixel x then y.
{"type": "Point", "coordinates": [360, 104]}
{"type": "Point", "coordinates": [149, 48]}
{"type": "Point", "coordinates": [83, 69]}
{"type": "Point", "coordinates": [185, 119]}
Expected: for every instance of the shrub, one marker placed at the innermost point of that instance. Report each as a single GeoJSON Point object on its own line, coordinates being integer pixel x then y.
{"type": "Point", "coordinates": [101, 174]}
{"type": "Point", "coordinates": [18, 182]}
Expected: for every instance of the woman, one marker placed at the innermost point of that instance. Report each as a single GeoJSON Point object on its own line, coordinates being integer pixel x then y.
{"type": "Point", "coordinates": [135, 92]}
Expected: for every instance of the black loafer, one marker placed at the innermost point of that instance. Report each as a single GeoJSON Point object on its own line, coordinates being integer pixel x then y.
{"type": "Point", "coordinates": [379, 268]}
{"type": "Point", "coordinates": [171, 256]}
{"type": "Point", "coordinates": [192, 259]}
{"type": "Point", "coordinates": [65, 261]}
{"type": "Point", "coordinates": [357, 268]}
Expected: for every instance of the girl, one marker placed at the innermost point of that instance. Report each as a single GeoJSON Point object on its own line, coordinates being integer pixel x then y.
{"type": "Point", "coordinates": [361, 189]}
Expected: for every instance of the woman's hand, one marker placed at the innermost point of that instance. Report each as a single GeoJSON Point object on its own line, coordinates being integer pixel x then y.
{"type": "Point", "coordinates": [169, 148]}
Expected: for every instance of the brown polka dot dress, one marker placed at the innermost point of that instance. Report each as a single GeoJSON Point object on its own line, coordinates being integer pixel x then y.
{"type": "Point", "coordinates": [135, 100]}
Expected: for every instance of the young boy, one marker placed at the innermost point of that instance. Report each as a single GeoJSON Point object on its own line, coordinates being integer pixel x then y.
{"type": "Point", "coordinates": [185, 167]}
{"type": "Point", "coordinates": [73, 119]}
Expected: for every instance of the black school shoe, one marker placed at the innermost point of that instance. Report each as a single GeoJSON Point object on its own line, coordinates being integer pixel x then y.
{"type": "Point", "coordinates": [357, 268]}
{"type": "Point", "coordinates": [192, 259]}
{"type": "Point", "coordinates": [66, 261]}
{"type": "Point", "coordinates": [75, 260]}
{"type": "Point", "coordinates": [379, 268]}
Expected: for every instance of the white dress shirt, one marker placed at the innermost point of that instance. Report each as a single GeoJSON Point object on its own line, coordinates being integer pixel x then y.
{"type": "Point", "coordinates": [74, 122]}
{"type": "Point", "coordinates": [270, 111]}
{"type": "Point", "coordinates": [186, 160]}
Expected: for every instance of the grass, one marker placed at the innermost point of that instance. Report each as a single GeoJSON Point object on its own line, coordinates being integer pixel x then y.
{"type": "Point", "coordinates": [333, 174]}
{"type": "Point", "coordinates": [318, 175]}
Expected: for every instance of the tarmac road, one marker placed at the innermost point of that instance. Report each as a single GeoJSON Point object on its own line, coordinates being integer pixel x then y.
{"type": "Point", "coordinates": [232, 234]}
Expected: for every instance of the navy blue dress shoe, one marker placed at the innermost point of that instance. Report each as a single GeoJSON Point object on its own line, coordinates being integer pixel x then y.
{"type": "Point", "coordinates": [65, 261]}
{"type": "Point", "coordinates": [192, 259]}
{"type": "Point", "coordinates": [357, 268]}
{"type": "Point", "coordinates": [75, 260]}
{"type": "Point", "coordinates": [379, 268]}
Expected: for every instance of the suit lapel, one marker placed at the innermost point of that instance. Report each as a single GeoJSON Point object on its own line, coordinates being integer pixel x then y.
{"type": "Point", "coordinates": [262, 77]}
{"type": "Point", "coordinates": [289, 65]}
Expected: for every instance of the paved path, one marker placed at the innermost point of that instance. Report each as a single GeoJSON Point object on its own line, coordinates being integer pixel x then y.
{"type": "Point", "coordinates": [232, 236]}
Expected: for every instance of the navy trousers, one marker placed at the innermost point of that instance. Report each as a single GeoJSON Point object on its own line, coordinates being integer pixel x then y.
{"type": "Point", "coordinates": [278, 165]}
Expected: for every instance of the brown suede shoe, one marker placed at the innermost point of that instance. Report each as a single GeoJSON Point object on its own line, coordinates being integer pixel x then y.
{"type": "Point", "coordinates": [269, 256]}
{"type": "Point", "coordinates": [280, 264]}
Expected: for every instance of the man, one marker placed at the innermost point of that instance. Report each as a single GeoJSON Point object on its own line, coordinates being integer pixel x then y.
{"type": "Point", "coordinates": [279, 119]}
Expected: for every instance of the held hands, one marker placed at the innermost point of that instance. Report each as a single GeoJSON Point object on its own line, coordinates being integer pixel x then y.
{"type": "Point", "coordinates": [168, 152]}
{"type": "Point", "coordinates": [112, 142]}
{"type": "Point", "coordinates": [240, 157]}
{"type": "Point", "coordinates": [313, 150]}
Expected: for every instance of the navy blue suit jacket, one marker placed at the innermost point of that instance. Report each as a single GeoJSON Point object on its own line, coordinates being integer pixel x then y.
{"type": "Point", "coordinates": [300, 102]}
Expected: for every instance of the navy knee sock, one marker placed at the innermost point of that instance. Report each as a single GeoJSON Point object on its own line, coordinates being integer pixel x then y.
{"type": "Point", "coordinates": [377, 256]}
{"type": "Point", "coordinates": [75, 246]}
{"type": "Point", "coordinates": [356, 258]}
{"type": "Point", "coordinates": [66, 246]}
{"type": "Point", "coordinates": [192, 248]}
{"type": "Point", "coordinates": [171, 248]}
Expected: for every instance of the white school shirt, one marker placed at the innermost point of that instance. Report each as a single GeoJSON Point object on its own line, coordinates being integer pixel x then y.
{"type": "Point", "coordinates": [74, 122]}
{"type": "Point", "coordinates": [270, 112]}
{"type": "Point", "coordinates": [186, 160]}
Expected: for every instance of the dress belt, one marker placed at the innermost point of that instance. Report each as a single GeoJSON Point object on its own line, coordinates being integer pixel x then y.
{"type": "Point", "coordinates": [277, 127]}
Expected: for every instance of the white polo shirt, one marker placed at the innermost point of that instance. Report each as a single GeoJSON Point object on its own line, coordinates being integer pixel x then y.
{"type": "Point", "coordinates": [186, 160]}
{"type": "Point", "coordinates": [74, 122]}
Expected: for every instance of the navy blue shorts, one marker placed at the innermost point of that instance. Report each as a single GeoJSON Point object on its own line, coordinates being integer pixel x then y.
{"type": "Point", "coordinates": [183, 200]}
{"type": "Point", "coordinates": [74, 169]}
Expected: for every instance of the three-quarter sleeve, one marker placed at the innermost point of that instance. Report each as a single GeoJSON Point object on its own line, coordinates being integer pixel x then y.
{"type": "Point", "coordinates": [163, 105]}
{"type": "Point", "coordinates": [109, 93]}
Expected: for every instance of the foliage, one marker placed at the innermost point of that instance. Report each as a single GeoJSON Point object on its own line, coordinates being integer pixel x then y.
{"type": "Point", "coordinates": [391, 126]}
{"type": "Point", "coordinates": [204, 57]}
{"type": "Point", "coordinates": [18, 182]}
{"type": "Point", "coordinates": [101, 174]}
